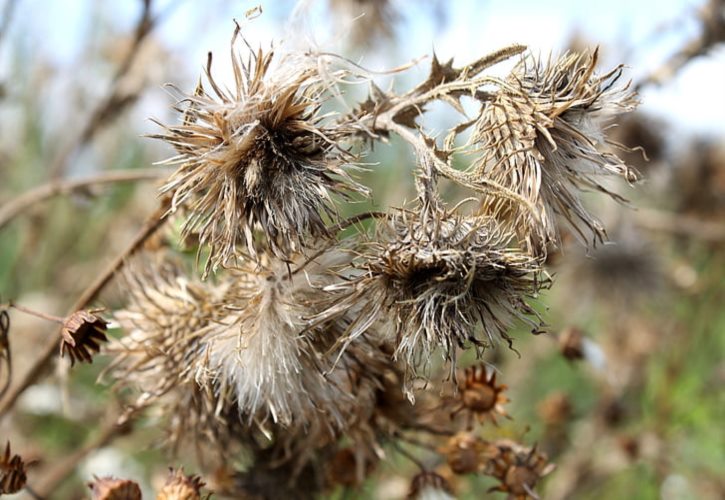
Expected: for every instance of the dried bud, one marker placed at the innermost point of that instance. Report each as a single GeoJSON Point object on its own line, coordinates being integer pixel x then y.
{"type": "Point", "coordinates": [479, 396]}
{"type": "Point", "coordinates": [556, 409]}
{"type": "Point", "coordinates": [179, 486]}
{"type": "Point", "coordinates": [259, 157]}
{"type": "Point", "coordinates": [518, 469]}
{"type": "Point", "coordinates": [571, 343]}
{"type": "Point", "coordinates": [540, 136]}
{"type": "Point", "coordinates": [82, 334]}
{"type": "Point", "coordinates": [13, 475]}
{"type": "Point", "coordinates": [110, 488]}
{"type": "Point", "coordinates": [430, 486]}
{"type": "Point", "coordinates": [466, 453]}
{"type": "Point", "coordinates": [349, 468]}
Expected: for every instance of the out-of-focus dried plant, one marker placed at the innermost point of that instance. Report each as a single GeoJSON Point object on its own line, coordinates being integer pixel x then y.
{"type": "Point", "coordinates": [13, 475]}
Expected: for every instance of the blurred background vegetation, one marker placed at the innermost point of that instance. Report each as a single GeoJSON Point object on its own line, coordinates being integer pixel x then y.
{"type": "Point", "coordinates": [624, 392]}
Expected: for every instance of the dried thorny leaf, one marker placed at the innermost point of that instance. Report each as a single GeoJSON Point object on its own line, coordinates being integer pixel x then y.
{"type": "Point", "coordinates": [539, 137]}
{"type": "Point", "coordinates": [180, 486]}
{"type": "Point", "coordinates": [110, 488]}
{"type": "Point", "coordinates": [436, 276]}
{"type": "Point", "coordinates": [259, 157]}
{"type": "Point", "coordinates": [82, 334]}
{"type": "Point", "coordinates": [13, 475]}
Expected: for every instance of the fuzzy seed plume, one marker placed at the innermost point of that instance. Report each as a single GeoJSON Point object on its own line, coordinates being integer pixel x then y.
{"type": "Point", "coordinates": [542, 137]}
{"type": "Point", "coordinates": [260, 156]}
{"type": "Point", "coordinates": [438, 278]}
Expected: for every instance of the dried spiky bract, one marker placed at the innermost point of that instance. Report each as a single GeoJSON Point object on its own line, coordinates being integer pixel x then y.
{"type": "Point", "coordinates": [436, 275]}
{"type": "Point", "coordinates": [12, 472]}
{"type": "Point", "coordinates": [111, 488]}
{"type": "Point", "coordinates": [82, 334]}
{"type": "Point", "coordinates": [539, 137]}
{"type": "Point", "coordinates": [259, 156]}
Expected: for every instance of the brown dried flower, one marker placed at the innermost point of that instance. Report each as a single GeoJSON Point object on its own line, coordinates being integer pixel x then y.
{"type": "Point", "coordinates": [82, 334]}
{"type": "Point", "coordinates": [437, 275]}
{"type": "Point", "coordinates": [13, 475]}
{"type": "Point", "coordinates": [539, 138]}
{"type": "Point", "coordinates": [571, 343]}
{"type": "Point", "coordinates": [258, 157]}
{"type": "Point", "coordinates": [518, 469]}
{"type": "Point", "coordinates": [110, 488]}
{"type": "Point", "coordinates": [479, 396]}
{"type": "Point", "coordinates": [179, 486]}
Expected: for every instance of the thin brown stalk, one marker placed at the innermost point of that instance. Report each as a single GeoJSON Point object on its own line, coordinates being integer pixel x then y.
{"type": "Point", "coordinates": [116, 101]}
{"type": "Point", "coordinates": [50, 349]}
{"type": "Point", "coordinates": [19, 204]}
{"type": "Point", "coordinates": [114, 427]}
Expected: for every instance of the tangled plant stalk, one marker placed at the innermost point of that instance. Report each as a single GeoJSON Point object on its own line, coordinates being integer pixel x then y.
{"type": "Point", "coordinates": [316, 356]}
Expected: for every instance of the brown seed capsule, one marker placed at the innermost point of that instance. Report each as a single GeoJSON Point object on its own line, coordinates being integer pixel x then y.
{"type": "Point", "coordinates": [13, 475]}
{"type": "Point", "coordinates": [518, 469]}
{"type": "Point", "coordinates": [179, 486]}
{"type": "Point", "coordinates": [82, 334]}
{"type": "Point", "coordinates": [571, 344]}
{"type": "Point", "coordinates": [110, 488]}
{"type": "Point", "coordinates": [480, 397]}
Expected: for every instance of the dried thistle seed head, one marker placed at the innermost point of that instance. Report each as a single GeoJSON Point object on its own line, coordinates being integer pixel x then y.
{"type": "Point", "coordinates": [436, 276]}
{"type": "Point", "coordinates": [479, 397]}
{"type": "Point", "coordinates": [166, 321]}
{"type": "Point", "coordinates": [539, 137]}
{"type": "Point", "coordinates": [260, 156]}
{"type": "Point", "coordinates": [82, 334]}
{"type": "Point", "coordinates": [270, 362]}
{"type": "Point", "coordinates": [518, 469]}
{"type": "Point", "coordinates": [556, 409]}
{"type": "Point", "coordinates": [13, 475]}
{"type": "Point", "coordinates": [110, 488]}
{"type": "Point", "coordinates": [571, 343]}
{"type": "Point", "coordinates": [466, 453]}
{"type": "Point", "coordinates": [180, 486]}
{"type": "Point", "coordinates": [430, 486]}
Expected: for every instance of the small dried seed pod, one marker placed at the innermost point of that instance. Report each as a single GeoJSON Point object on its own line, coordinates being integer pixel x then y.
{"type": "Point", "coordinates": [13, 475]}
{"type": "Point", "coordinates": [82, 334]}
{"type": "Point", "coordinates": [430, 486]}
{"type": "Point", "coordinates": [110, 488]}
{"type": "Point", "coordinates": [179, 486]}
{"type": "Point", "coordinates": [466, 453]}
{"type": "Point", "coordinates": [479, 397]}
{"type": "Point", "coordinates": [518, 469]}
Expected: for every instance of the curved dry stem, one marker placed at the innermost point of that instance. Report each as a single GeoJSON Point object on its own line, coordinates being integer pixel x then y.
{"type": "Point", "coordinates": [23, 202]}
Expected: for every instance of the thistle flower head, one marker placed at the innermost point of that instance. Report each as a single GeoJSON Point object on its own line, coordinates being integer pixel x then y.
{"type": "Point", "coordinates": [466, 453]}
{"type": "Point", "coordinates": [430, 486]}
{"type": "Point", "coordinates": [540, 137]}
{"type": "Point", "coordinates": [438, 275]}
{"type": "Point", "coordinates": [270, 362]}
{"type": "Point", "coordinates": [259, 156]}
{"type": "Point", "coordinates": [518, 469]}
{"type": "Point", "coordinates": [13, 475]}
{"type": "Point", "coordinates": [111, 488]}
{"type": "Point", "coordinates": [81, 335]}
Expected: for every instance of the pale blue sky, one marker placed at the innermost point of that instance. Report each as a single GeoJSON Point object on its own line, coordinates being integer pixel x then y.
{"type": "Point", "coordinates": [641, 32]}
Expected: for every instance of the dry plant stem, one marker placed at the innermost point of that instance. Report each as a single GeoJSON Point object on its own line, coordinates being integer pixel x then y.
{"type": "Point", "coordinates": [116, 101]}
{"type": "Point", "coordinates": [112, 429]}
{"type": "Point", "coordinates": [8, 11]}
{"type": "Point", "coordinates": [50, 350]}
{"type": "Point", "coordinates": [19, 204]}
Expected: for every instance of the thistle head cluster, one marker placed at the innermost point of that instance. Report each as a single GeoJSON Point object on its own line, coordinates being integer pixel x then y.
{"type": "Point", "coordinates": [303, 346]}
